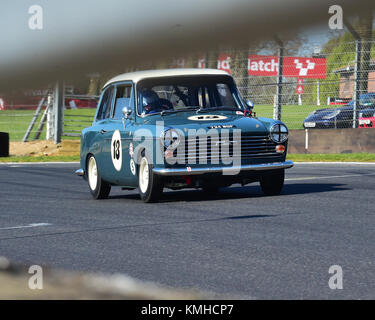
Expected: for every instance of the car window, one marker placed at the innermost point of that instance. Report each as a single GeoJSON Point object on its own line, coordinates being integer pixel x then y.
{"type": "Point", "coordinates": [225, 96]}
{"type": "Point", "coordinates": [123, 99]}
{"type": "Point", "coordinates": [367, 100]}
{"type": "Point", "coordinates": [204, 97]}
{"type": "Point", "coordinates": [179, 93]}
{"type": "Point", "coordinates": [105, 104]}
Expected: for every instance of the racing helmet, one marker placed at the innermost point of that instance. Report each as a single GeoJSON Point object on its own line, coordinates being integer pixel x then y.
{"type": "Point", "coordinates": [149, 99]}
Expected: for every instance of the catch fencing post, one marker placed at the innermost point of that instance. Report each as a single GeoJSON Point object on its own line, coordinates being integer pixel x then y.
{"type": "Point", "coordinates": [277, 105]}
{"type": "Point", "coordinates": [49, 127]}
{"type": "Point", "coordinates": [357, 71]}
{"type": "Point", "coordinates": [58, 111]}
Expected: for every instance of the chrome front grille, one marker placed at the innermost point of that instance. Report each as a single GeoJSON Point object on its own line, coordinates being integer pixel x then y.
{"type": "Point", "coordinates": [222, 149]}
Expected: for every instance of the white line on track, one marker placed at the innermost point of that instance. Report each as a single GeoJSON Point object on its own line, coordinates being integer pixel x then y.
{"type": "Point", "coordinates": [31, 225]}
{"type": "Point", "coordinates": [330, 177]}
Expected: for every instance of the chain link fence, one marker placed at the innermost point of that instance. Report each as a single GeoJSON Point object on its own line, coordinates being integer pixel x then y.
{"type": "Point", "coordinates": [333, 88]}
{"type": "Point", "coordinates": [329, 88]}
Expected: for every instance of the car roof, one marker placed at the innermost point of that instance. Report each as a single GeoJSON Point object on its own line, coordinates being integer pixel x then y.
{"type": "Point", "coordinates": [140, 75]}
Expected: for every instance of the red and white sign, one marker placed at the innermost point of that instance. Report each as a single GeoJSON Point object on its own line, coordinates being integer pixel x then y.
{"type": "Point", "coordinates": [293, 67]}
{"type": "Point", "coordinates": [223, 62]}
{"type": "Point", "coordinates": [300, 67]}
{"type": "Point", "coordinates": [178, 63]}
{"type": "Point", "coordinates": [300, 88]}
{"type": "Point", "coordinates": [202, 62]}
{"type": "Point", "coordinates": [259, 65]}
{"type": "Point", "coordinates": [263, 65]}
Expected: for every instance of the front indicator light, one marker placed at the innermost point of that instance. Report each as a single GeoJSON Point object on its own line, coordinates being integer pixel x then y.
{"type": "Point", "coordinates": [280, 148]}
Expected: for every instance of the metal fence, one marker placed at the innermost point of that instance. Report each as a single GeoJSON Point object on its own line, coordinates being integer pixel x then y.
{"type": "Point", "coordinates": [330, 88]}
{"type": "Point", "coordinates": [334, 88]}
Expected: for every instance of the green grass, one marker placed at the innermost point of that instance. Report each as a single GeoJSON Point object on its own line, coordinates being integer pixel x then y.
{"type": "Point", "coordinates": [347, 157]}
{"type": "Point", "coordinates": [292, 115]}
{"type": "Point", "coordinates": [16, 122]}
{"type": "Point", "coordinates": [339, 157]}
{"type": "Point", "coordinates": [40, 159]}
{"type": "Point", "coordinates": [77, 119]}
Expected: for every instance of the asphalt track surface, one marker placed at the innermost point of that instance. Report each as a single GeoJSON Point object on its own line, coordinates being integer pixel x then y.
{"type": "Point", "coordinates": [238, 243]}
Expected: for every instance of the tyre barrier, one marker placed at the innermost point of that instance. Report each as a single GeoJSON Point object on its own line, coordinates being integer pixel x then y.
{"type": "Point", "coordinates": [4, 144]}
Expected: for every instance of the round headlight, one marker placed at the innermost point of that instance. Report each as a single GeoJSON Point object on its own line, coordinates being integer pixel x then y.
{"type": "Point", "coordinates": [170, 139]}
{"type": "Point", "coordinates": [279, 133]}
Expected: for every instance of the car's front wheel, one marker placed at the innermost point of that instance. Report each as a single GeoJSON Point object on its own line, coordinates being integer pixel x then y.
{"type": "Point", "coordinates": [98, 187]}
{"type": "Point", "coordinates": [272, 184]}
{"type": "Point", "coordinates": [149, 184]}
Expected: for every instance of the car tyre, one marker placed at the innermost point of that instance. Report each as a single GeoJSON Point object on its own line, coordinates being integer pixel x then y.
{"type": "Point", "coordinates": [272, 184]}
{"type": "Point", "coordinates": [150, 185]}
{"type": "Point", "coordinates": [99, 188]}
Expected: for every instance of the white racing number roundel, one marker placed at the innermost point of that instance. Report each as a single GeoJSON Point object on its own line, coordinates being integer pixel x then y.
{"type": "Point", "coordinates": [132, 166]}
{"type": "Point", "coordinates": [116, 150]}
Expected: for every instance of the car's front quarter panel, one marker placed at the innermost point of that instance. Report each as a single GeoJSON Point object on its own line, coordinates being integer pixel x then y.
{"type": "Point", "coordinates": [89, 144]}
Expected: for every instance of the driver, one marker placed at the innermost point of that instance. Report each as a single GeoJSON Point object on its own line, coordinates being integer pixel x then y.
{"type": "Point", "coordinates": [150, 101]}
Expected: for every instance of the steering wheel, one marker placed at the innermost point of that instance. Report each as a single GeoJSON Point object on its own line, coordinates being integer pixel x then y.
{"type": "Point", "coordinates": [166, 104]}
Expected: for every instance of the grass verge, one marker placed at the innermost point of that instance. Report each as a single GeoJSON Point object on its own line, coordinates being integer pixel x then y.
{"type": "Point", "coordinates": [40, 159]}
{"type": "Point", "coordinates": [347, 157]}
{"type": "Point", "coordinates": [339, 157]}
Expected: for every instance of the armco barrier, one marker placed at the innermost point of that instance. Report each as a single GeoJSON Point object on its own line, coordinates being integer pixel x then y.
{"type": "Point", "coordinates": [4, 144]}
{"type": "Point", "coordinates": [332, 141]}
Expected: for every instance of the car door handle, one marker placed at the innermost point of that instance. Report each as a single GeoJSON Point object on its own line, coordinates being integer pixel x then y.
{"type": "Point", "coordinates": [103, 131]}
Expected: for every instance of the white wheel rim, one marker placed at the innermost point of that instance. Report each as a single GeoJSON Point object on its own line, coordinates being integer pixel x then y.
{"type": "Point", "coordinates": [93, 174]}
{"type": "Point", "coordinates": [143, 175]}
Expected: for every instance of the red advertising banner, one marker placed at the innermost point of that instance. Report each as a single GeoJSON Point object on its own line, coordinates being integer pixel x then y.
{"type": "Point", "coordinates": [293, 67]}
{"type": "Point", "coordinates": [259, 65]}
{"type": "Point", "coordinates": [202, 62]}
{"type": "Point", "coordinates": [300, 67]}
{"type": "Point", "coordinates": [263, 65]}
{"type": "Point", "coordinates": [300, 88]}
{"type": "Point", "coordinates": [223, 62]}
{"type": "Point", "coordinates": [178, 63]}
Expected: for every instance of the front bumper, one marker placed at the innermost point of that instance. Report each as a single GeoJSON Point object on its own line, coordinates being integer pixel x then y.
{"type": "Point", "coordinates": [80, 172]}
{"type": "Point", "coordinates": [235, 169]}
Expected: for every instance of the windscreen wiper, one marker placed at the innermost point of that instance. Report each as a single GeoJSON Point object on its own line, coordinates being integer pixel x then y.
{"type": "Point", "coordinates": [217, 109]}
{"type": "Point", "coordinates": [164, 112]}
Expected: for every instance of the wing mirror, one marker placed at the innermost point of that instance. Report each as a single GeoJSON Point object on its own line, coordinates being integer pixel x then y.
{"type": "Point", "coordinates": [249, 108]}
{"type": "Point", "coordinates": [250, 105]}
{"type": "Point", "coordinates": [126, 111]}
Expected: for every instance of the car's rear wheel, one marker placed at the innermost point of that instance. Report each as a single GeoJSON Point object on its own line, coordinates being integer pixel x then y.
{"type": "Point", "coordinates": [99, 189]}
{"type": "Point", "coordinates": [149, 184]}
{"type": "Point", "coordinates": [273, 183]}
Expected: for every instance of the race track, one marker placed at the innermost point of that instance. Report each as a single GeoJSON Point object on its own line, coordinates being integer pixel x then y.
{"type": "Point", "coordinates": [238, 243]}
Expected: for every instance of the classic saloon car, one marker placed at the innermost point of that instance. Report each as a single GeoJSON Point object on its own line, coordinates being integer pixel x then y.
{"type": "Point", "coordinates": [179, 128]}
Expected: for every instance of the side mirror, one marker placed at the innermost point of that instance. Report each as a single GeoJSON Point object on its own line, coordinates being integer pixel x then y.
{"type": "Point", "coordinates": [126, 111]}
{"type": "Point", "coordinates": [250, 105]}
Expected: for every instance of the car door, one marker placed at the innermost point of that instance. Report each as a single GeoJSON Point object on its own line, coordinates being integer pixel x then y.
{"type": "Point", "coordinates": [117, 135]}
{"type": "Point", "coordinates": [101, 127]}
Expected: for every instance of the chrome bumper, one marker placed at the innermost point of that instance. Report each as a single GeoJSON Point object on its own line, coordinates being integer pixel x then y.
{"type": "Point", "coordinates": [80, 172]}
{"type": "Point", "coordinates": [227, 170]}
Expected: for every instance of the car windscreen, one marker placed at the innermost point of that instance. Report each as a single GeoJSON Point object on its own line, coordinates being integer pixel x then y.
{"type": "Point", "coordinates": [185, 93]}
{"type": "Point", "coordinates": [364, 100]}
